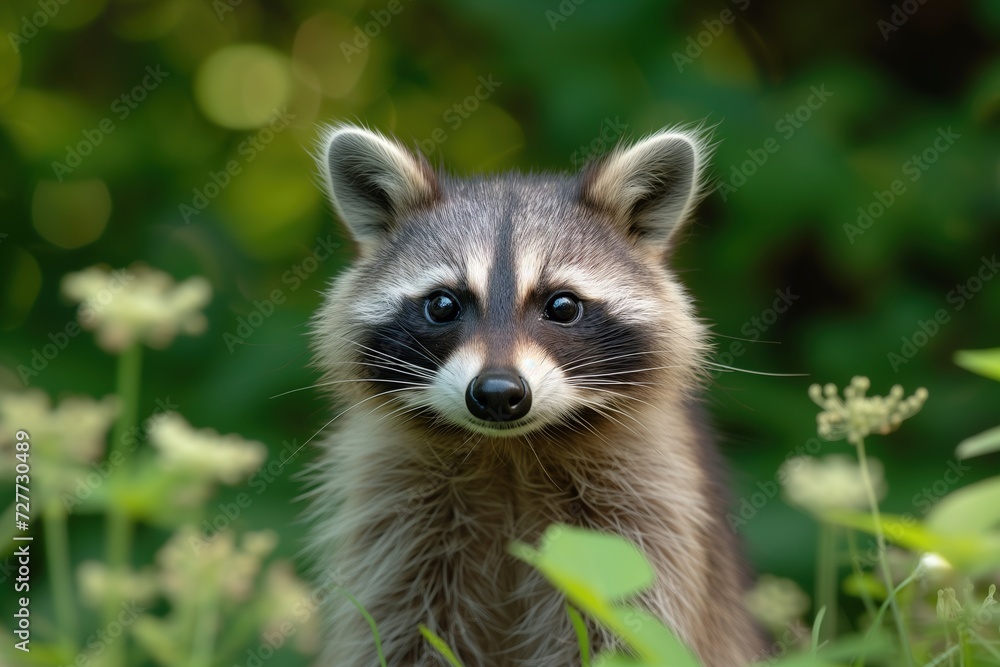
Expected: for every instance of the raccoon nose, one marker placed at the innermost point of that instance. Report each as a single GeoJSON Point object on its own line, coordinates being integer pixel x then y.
{"type": "Point", "coordinates": [498, 395]}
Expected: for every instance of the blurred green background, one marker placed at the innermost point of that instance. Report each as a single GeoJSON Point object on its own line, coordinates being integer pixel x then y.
{"type": "Point", "coordinates": [119, 119]}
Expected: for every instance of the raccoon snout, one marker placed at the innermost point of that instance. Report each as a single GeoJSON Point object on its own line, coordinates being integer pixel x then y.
{"type": "Point", "coordinates": [498, 395]}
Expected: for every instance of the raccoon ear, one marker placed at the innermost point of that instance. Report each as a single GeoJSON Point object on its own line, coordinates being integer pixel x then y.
{"type": "Point", "coordinates": [650, 187]}
{"type": "Point", "coordinates": [372, 180]}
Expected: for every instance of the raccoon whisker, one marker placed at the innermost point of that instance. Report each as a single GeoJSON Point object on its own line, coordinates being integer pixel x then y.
{"type": "Point", "coordinates": [616, 394]}
{"type": "Point", "coordinates": [541, 465]}
{"type": "Point", "coordinates": [604, 359]}
{"type": "Point", "coordinates": [398, 364]}
{"type": "Point", "coordinates": [430, 356]}
{"type": "Point", "coordinates": [600, 409]}
{"type": "Point", "coordinates": [327, 384]}
{"type": "Point", "coordinates": [724, 367]}
{"type": "Point", "coordinates": [633, 370]}
{"type": "Point", "coordinates": [345, 411]}
{"type": "Point", "coordinates": [402, 371]}
{"type": "Point", "coordinates": [384, 355]}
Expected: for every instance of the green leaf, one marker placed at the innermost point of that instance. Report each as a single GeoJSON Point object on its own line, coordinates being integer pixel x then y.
{"type": "Point", "coordinates": [594, 570]}
{"type": "Point", "coordinates": [441, 645]}
{"type": "Point", "coordinates": [983, 362]}
{"type": "Point", "coordinates": [973, 552]}
{"type": "Point", "coordinates": [650, 638]}
{"type": "Point", "coordinates": [856, 585]}
{"type": "Point", "coordinates": [615, 659]}
{"type": "Point", "coordinates": [817, 624]}
{"type": "Point", "coordinates": [838, 653]}
{"type": "Point", "coordinates": [972, 509]}
{"type": "Point", "coordinates": [986, 442]}
{"type": "Point", "coordinates": [618, 660]}
{"type": "Point", "coordinates": [580, 628]}
{"type": "Point", "coordinates": [587, 563]}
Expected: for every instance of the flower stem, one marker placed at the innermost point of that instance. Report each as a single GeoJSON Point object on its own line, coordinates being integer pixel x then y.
{"type": "Point", "coordinates": [203, 641]}
{"type": "Point", "coordinates": [61, 568]}
{"type": "Point", "coordinates": [866, 598]}
{"type": "Point", "coordinates": [826, 580]}
{"type": "Point", "coordinates": [119, 529]}
{"type": "Point", "coordinates": [904, 637]}
{"type": "Point", "coordinates": [128, 388]}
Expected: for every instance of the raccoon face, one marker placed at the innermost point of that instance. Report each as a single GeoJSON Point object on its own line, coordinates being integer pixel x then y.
{"type": "Point", "coordinates": [509, 304]}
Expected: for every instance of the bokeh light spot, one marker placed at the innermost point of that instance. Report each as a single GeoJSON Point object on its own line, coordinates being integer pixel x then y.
{"type": "Point", "coordinates": [240, 87]}
{"type": "Point", "coordinates": [23, 280]}
{"type": "Point", "coordinates": [71, 214]}
{"type": "Point", "coordinates": [329, 52]}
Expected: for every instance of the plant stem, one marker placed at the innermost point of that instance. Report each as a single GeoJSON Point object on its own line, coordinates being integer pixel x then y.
{"type": "Point", "coordinates": [128, 388]}
{"type": "Point", "coordinates": [826, 580]}
{"type": "Point", "coordinates": [205, 627]}
{"type": "Point", "coordinates": [866, 598]}
{"type": "Point", "coordinates": [61, 568]}
{"type": "Point", "coordinates": [904, 637]}
{"type": "Point", "coordinates": [119, 528]}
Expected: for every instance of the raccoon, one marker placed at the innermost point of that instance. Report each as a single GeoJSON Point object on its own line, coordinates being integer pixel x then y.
{"type": "Point", "coordinates": [512, 351]}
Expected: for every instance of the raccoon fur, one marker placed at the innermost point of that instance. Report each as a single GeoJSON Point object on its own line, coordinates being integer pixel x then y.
{"type": "Point", "coordinates": [508, 352]}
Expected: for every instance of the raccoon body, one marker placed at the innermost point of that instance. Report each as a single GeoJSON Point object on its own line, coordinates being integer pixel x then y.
{"type": "Point", "coordinates": [510, 352]}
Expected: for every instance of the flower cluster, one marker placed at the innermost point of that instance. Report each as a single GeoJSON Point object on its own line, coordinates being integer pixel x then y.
{"type": "Point", "coordinates": [137, 304]}
{"type": "Point", "coordinates": [777, 602]}
{"type": "Point", "coordinates": [64, 439]}
{"type": "Point", "coordinates": [205, 453]}
{"type": "Point", "coordinates": [831, 483]}
{"type": "Point", "coordinates": [950, 610]}
{"type": "Point", "coordinates": [856, 416]}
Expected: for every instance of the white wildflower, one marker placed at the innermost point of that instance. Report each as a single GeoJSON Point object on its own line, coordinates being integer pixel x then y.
{"type": "Point", "coordinates": [98, 583]}
{"type": "Point", "coordinates": [290, 602]}
{"type": "Point", "coordinates": [776, 602]}
{"type": "Point", "coordinates": [831, 483]}
{"type": "Point", "coordinates": [948, 606]}
{"type": "Point", "coordinates": [190, 564]}
{"type": "Point", "coordinates": [856, 415]}
{"type": "Point", "coordinates": [137, 304]}
{"type": "Point", "coordinates": [74, 432]}
{"type": "Point", "coordinates": [226, 458]}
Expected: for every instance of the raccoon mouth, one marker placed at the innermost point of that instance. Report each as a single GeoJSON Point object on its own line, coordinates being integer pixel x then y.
{"type": "Point", "coordinates": [501, 429]}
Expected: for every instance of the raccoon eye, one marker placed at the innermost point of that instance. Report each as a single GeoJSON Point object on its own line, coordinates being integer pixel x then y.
{"type": "Point", "coordinates": [564, 308]}
{"type": "Point", "coordinates": [441, 307]}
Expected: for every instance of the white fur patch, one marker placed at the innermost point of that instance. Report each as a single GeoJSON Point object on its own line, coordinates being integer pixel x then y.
{"type": "Point", "coordinates": [478, 265]}
{"type": "Point", "coordinates": [530, 265]}
{"type": "Point", "coordinates": [605, 284]}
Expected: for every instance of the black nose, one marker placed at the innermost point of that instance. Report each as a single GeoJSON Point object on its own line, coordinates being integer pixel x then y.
{"type": "Point", "coordinates": [498, 395]}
